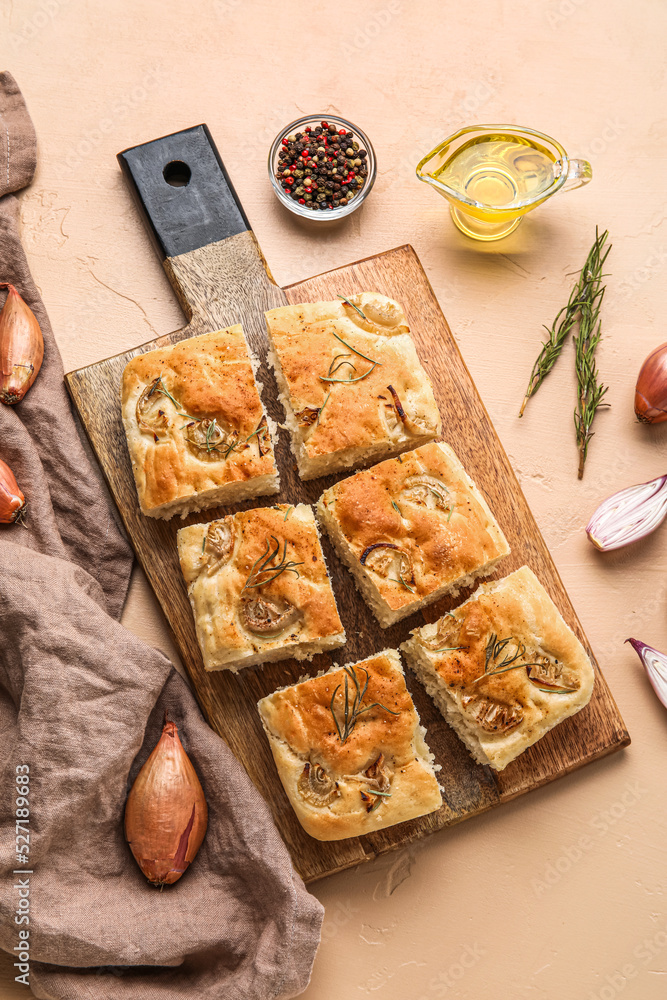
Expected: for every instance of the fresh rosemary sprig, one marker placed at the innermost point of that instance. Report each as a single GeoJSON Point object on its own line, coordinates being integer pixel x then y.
{"type": "Point", "coordinates": [347, 381]}
{"type": "Point", "coordinates": [352, 709]}
{"type": "Point", "coordinates": [262, 565]}
{"type": "Point", "coordinates": [435, 492]}
{"type": "Point", "coordinates": [319, 412]}
{"type": "Point", "coordinates": [583, 295]}
{"type": "Point", "coordinates": [258, 433]}
{"type": "Point", "coordinates": [397, 508]}
{"type": "Point", "coordinates": [495, 648]}
{"type": "Point", "coordinates": [381, 796]}
{"type": "Point", "coordinates": [361, 313]}
{"type": "Point", "coordinates": [332, 370]}
{"type": "Point", "coordinates": [355, 351]}
{"type": "Point", "coordinates": [258, 430]}
{"type": "Point", "coordinates": [551, 348]}
{"type": "Point", "coordinates": [590, 391]}
{"type": "Point", "coordinates": [158, 386]}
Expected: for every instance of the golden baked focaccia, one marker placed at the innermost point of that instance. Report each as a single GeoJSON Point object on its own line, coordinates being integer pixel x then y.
{"type": "Point", "coordinates": [503, 667]}
{"type": "Point", "coordinates": [351, 383]}
{"type": "Point", "coordinates": [259, 588]}
{"type": "Point", "coordinates": [196, 430]}
{"type": "Point", "coordinates": [411, 530]}
{"type": "Point", "coordinates": [347, 774]}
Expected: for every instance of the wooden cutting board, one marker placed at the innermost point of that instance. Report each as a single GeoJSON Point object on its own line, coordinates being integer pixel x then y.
{"type": "Point", "coordinates": [220, 277]}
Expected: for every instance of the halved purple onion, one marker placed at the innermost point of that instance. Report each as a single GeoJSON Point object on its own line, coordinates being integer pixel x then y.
{"type": "Point", "coordinates": [629, 515]}
{"type": "Point", "coordinates": [655, 664]}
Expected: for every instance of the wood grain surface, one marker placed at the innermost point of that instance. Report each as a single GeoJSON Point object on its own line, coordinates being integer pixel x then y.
{"type": "Point", "coordinates": [226, 283]}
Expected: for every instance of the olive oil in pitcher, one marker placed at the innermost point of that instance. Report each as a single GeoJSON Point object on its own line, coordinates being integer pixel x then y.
{"type": "Point", "coordinates": [492, 175]}
{"type": "Point", "coordinates": [498, 172]}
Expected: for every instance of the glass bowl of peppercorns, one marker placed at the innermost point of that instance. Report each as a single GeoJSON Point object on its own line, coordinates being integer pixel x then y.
{"type": "Point", "coordinates": [322, 168]}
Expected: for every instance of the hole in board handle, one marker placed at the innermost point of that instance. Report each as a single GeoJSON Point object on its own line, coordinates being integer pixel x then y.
{"type": "Point", "coordinates": [177, 173]}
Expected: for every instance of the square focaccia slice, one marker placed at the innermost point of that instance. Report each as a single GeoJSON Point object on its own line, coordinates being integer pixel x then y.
{"type": "Point", "coordinates": [259, 587]}
{"type": "Point", "coordinates": [503, 667]}
{"type": "Point", "coordinates": [351, 383]}
{"type": "Point", "coordinates": [196, 430]}
{"type": "Point", "coordinates": [347, 773]}
{"type": "Point", "coordinates": [412, 529]}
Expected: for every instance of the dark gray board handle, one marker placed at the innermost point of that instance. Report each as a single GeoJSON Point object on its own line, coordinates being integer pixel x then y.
{"type": "Point", "coordinates": [183, 191]}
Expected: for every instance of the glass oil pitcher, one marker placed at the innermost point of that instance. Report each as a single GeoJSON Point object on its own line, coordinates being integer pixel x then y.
{"type": "Point", "coordinates": [493, 174]}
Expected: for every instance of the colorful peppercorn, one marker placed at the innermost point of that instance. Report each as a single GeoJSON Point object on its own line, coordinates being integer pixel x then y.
{"type": "Point", "coordinates": [321, 167]}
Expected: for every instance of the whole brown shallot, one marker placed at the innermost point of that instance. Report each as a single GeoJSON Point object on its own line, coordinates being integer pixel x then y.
{"type": "Point", "coordinates": [12, 501]}
{"type": "Point", "coordinates": [166, 813]}
{"type": "Point", "coordinates": [651, 388]}
{"type": "Point", "coordinates": [21, 347]}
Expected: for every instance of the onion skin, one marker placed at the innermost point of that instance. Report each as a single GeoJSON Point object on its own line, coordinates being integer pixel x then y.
{"type": "Point", "coordinates": [21, 347]}
{"type": "Point", "coordinates": [651, 388]}
{"type": "Point", "coordinates": [12, 501]}
{"type": "Point", "coordinates": [166, 814]}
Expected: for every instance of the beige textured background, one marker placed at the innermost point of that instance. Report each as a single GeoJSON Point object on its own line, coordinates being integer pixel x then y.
{"type": "Point", "coordinates": [559, 895]}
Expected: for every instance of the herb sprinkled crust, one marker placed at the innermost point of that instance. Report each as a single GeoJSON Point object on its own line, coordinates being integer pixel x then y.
{"type": "Point", "coordinates": [379, 774]}
{"type": "Point", "coordinates": [259, 588]}
{"type": "Point", "coordinates": [503, 668]}
{"type": "Point", "coordinates": [351, 382]}
{"type": "Point", "coordinates": [412, 530]}
{"type": "Point", "coordinates": [196, 429]}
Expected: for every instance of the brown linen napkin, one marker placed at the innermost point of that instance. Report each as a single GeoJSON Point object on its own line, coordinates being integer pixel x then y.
{"type": "Point", "coordinates": [81, 703]}
{"type": "Point", "coordinates": [71, 515]}
{"type": "Point", "coordinates": [238, 924]}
